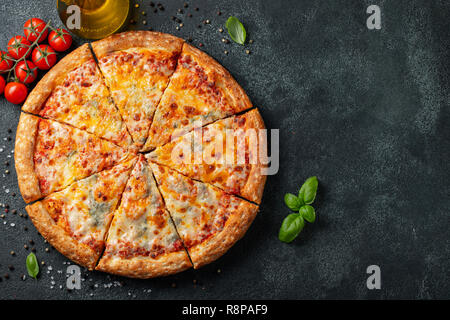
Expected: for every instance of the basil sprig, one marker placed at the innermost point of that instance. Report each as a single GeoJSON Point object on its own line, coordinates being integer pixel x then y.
{"type": "Point", "coordinates": [32, 265]}
{"type": "Point", "coordinates": [293, 224]}
{"type": "Point", "coordinates": [236, 30]}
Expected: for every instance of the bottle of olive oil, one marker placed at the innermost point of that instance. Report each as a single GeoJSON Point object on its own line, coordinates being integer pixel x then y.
{"type": "Point", "coordinates": [93, 19]}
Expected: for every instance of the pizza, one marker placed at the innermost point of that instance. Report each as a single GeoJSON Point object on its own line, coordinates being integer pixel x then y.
{"type": "Point", "coordinates": [226, 165]}
{"type": "Point", "coordinates": [208, 219]}
{"type": "Point", "coordinates": [102, 156]}
{"type": "Point", "coordinates": [51, 155]}
{"type": "Point", "coordinates": [137, 70]}
{"type": "Point", "coordinates": [142, 239]}
{"type": "Point", "coordinates": [75, 220]}
{"type": "Point", "coordinates": [75, 93]}
{"type": "Point", "coordinates": [200, 92]}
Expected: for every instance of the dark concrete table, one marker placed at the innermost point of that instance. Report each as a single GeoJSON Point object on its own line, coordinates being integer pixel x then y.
{"type": "Point", "coordinates": [366, 111]}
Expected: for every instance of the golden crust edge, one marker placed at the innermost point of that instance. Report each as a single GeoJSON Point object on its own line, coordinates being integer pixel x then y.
{"type": "Point", "coordinates": [147, 39]}
{"type": "Point", "coordinates": [24, 157]}
{"type": "Point", "coordinates": [55, 77]}
{"type": "Point", "coordinates": [59, 239]}
{"type": "Point", "coordinates": [145, 267]}
{"type": "Point", "coordinates": [235, 228]}
{"type": "Point", "coordinates": [254, 187]}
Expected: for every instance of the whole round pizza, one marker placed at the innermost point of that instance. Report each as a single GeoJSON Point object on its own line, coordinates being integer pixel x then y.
{"type": "Point", "coordinates": [105, 147]}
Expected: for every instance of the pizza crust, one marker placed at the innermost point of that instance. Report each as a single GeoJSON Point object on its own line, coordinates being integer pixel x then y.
{"type": "Point", "coordinates": [24, 157]}
{"type": "Point", "coordinates": [146, 267]}
{"type": "Point", "coordinates": [36, 99]}
{"type": "Point", "coordinates": [58, 238]}
{"type": "Point", "coordinates": [235, 228]}
{"type": "Point", "coordinates": [132, 39]}
{"type": "Point", "coordinates": [254, 187]}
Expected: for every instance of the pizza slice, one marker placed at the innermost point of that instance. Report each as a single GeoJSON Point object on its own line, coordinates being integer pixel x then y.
{"type": "Point", "coordinates": [137, 66]}
{"type": "Point", "coordinates": [208, 220]}
{"type": "Point", "coordinates": [224, 154]}
{"type": "Point", "coordinates": [200, 91]}
{"type": "Point", "coordinates": [75, 220]}
{"type": "Point", "coordinates": [50, 155]}
{"type": "Point", "coordinates": [74, 92]}
{"type": "Point", "coordinates": [142, 241]}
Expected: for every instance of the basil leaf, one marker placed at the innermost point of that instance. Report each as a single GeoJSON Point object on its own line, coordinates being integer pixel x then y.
{"type": "Point", "coordinates": [308, 213]}
{"type": "Point", "coordinates": [236, 30]}
{"type": "Point", "coordinates": [32, 265]}
{"type": "Point", "coordinates": [290, 228]}
{"type": "Point", "coordinates": [292, 201]}
{"type": "Point", "coordinates": [308, 190]}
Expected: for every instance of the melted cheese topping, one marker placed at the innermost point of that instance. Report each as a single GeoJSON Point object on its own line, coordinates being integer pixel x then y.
{"type": "Point", "coordinates": [198, 210]}
{"type": "Point", "coordinates": [225, 147]}
{"type": "Point", "coordinates": [141, 226]}
{"type": "Point", "coordinates": [137, 78]}
{"type": "Point", "coordinates": [84, 102]}
{"type": "Point", "coordinates": [84, 209]}
{"type": "Point", "coordinates": [64, 154]}
{"type": "Point", "coordinates": [196, 96]}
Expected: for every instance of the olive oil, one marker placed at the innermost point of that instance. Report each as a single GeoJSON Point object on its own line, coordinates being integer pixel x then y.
{"type": "Point", "coordinates": [93, 19]}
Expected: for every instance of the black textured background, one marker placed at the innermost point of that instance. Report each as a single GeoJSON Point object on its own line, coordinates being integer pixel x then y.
{"type": "Point", "coordinates": [366, 111]}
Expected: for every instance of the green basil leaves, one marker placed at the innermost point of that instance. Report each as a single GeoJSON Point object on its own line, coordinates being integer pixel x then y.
{"type": "Point", "coordinates": [308, 190]}
{"type": "Point", "coordinates": [293, 224]}
{"type": "Point", "coordinates": [292, 201]}
{"type": "Point", "coordinates": [236, 30]}
{"type": "Point", "coordinates": [32, 265]}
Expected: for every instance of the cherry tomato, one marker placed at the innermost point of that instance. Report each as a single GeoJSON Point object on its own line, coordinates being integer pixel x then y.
{"type": "Point", "coordinates": [33, 29]}
{"type": "Point", "coordinates": [60, 40]}
{"type": "Point", "coordinates": [26, 71]}
{"type": "Point", "coordinates": [18, 47]}
{"type": "Point", "coordinates": [2, 84]}
{"type": "Point", "coordinates": [44, 57]}
{"type": "Point", "coordinates": [5, 62]}
{"type": "Point", "coordinates": [16, 92]}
